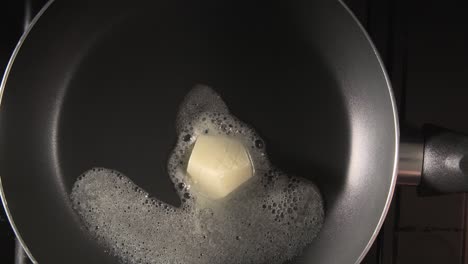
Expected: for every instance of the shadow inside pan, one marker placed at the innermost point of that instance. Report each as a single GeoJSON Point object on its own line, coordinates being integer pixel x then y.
{"type": "Point", "coordinates": [120, 107]}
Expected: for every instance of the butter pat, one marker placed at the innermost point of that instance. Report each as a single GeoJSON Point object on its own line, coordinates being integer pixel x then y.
{"type": "Point", "coordinates": [218, 165]}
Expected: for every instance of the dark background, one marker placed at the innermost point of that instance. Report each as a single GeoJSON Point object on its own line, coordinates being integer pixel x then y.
{"type": "Point", "coordinates": [424, 45]}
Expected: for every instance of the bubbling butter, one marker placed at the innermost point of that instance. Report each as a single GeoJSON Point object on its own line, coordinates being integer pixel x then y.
{"type": "Point", "coordinates": [269, 217]}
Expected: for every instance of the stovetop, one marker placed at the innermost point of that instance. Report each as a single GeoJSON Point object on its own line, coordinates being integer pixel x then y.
{"type": "Point", "coordinates": [423, 46]}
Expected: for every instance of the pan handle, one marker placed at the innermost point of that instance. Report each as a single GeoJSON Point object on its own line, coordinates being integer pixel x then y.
{"type": "Point", "coordinates": [437, 164]}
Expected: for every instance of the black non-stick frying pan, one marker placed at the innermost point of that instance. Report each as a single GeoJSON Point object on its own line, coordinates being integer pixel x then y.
{"type": "Point", "coordinates": [98, 83]}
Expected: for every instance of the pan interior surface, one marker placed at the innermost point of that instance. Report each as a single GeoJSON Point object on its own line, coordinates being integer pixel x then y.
{"type": "Point", "coordinates": [99, 85]}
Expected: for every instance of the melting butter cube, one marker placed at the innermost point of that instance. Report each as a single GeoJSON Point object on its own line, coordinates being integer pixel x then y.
{"type": "Point", "coordinates": [218, 165]}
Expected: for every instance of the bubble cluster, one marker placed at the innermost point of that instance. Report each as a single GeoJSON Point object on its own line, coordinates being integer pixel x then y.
{"type": "Point", "coordinates": [269, 219]}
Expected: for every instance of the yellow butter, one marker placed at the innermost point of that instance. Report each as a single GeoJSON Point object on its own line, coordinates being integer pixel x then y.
{"type": "Point", "coordinates": [218, 165]}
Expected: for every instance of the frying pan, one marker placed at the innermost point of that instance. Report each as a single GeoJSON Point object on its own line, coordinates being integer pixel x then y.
{"type": "Point", "coordinates": [98, 83]}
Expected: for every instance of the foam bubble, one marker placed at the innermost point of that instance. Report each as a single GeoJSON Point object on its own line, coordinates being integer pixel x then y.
{"type": "Point", "coordinates": [269, 219]}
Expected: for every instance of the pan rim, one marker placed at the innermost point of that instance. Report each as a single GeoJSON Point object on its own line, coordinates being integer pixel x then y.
{"type": "Point", "coordinates": [397, 135]}
{"type": "Point", "coordinates": [391, 96]}
{"type": "Point", "coordinates": [2, 89]}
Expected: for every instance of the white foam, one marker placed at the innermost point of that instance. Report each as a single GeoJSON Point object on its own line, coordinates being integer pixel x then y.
{"type": "Point", "coordinates": [269, 219]}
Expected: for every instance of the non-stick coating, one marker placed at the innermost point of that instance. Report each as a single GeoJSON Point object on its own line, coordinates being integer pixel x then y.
{"type": "Point", "coordinates": [98, 83]}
